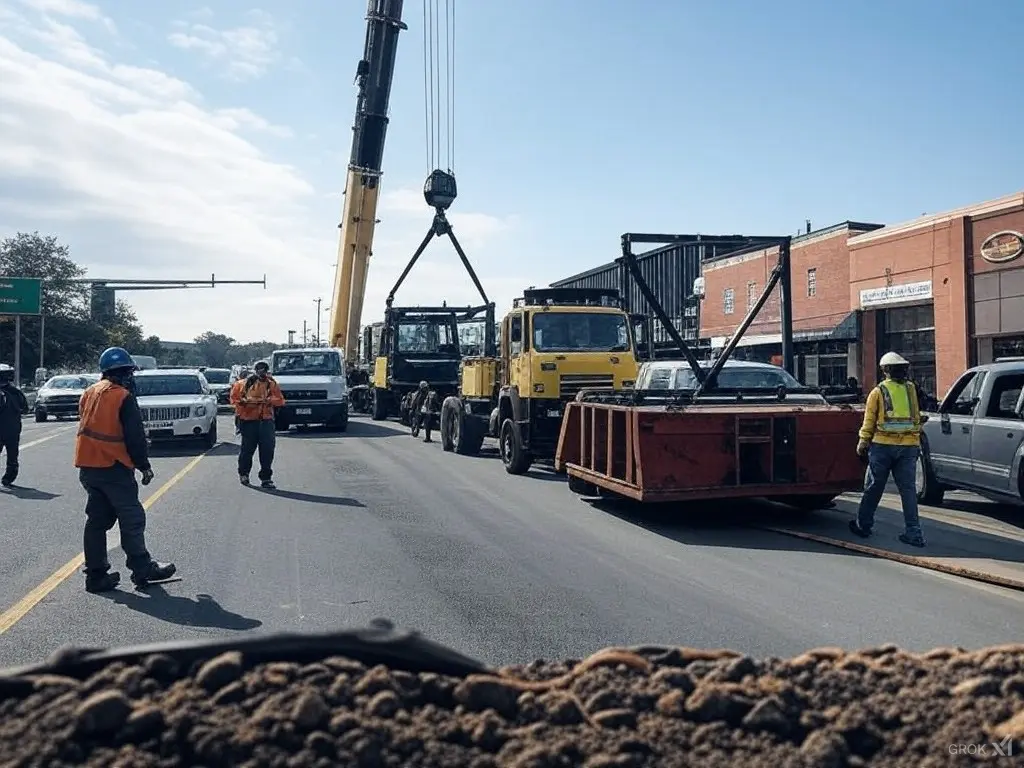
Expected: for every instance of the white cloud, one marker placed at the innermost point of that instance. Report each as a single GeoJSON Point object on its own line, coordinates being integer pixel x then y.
{"type": "Point", "coordinates": [129, 167]}
{"type": "Point", "coordinates": [246, 51]}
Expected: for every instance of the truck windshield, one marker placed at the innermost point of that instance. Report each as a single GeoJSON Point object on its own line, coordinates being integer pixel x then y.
{"type": "Point", "coordinates": [167, 385]}
{"type": "Point", "coordinates": [580, 332]}
{"type": "Point", "coordinates": [428, 337]}
{"type": "Point", "coordinates": [69, 382]}
{"type": "Point", "coordinates": [306, 364]}
{"type": "Point", "coordinates": [217, 375]}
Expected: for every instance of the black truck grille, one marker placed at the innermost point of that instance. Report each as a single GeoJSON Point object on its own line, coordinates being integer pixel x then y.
{"type": "Point", "coordinates": [570, 384]}
{"type": "Point", "coordinates": [304, 394]}
{"type": "Point", "coordinates": [62, 400]}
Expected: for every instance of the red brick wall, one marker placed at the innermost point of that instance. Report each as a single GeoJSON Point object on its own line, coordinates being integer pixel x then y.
{"type": "Point", "coordinates": [827, 254]}
{"type": "Point", "coordinates": [935, 253]}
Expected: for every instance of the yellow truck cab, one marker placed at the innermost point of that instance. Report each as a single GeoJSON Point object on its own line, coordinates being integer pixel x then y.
{"type": "Point", "coordinates": [554, 343]}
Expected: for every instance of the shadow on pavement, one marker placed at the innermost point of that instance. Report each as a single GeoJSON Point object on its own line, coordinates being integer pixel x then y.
{"type": "Point", "coordinates": [204, 611]}
{"type": "Point", "coordinates": [189, 449]}
{"type": "Point", "coordinates": [539, 471]}
{"type": "Point", "coordinates": [1004, 513]}
{"type": "Point", "coordinates": [312, 498]}
{"type": "Point", "coordinates": [31, 494]}
{"type": "Point", "coordinates": [734, 524]}
{"type": "Point", "coordinates": [356, 428]}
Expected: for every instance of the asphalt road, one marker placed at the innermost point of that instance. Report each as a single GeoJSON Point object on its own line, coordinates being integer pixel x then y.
{"type": "Point", "coordinates": [374, 523]}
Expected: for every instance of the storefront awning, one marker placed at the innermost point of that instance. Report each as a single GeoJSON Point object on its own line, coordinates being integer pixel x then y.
{"type": "Point", "coordinates": [846, 330]}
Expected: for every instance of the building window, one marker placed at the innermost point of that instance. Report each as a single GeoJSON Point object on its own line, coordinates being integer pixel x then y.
{"type": "Point", "coordinates": [751, 295]}
{"type": "Point", "coordinates": [729, 301]}
{"type": "Point", "coordinates": [812, 282]}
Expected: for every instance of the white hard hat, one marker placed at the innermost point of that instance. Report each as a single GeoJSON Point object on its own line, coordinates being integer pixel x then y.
{"type": "Point", "coordinates": [892, 358]}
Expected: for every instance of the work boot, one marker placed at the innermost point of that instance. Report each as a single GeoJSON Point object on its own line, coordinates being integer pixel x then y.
{"type": "Point", "coordinates": [857, 530]}
{"type": "Point", "coordinates": [102, 582]}
{"type": "Point", "coordinates": [912, 541]}
{"type": "Point", "coordinates": [7, 481]}
{"type": "Point", "coordinates": [243, 479]}
{"type": "Point", "coordinates": [153, 572]}
{"type": "Point", "coordinates": [268, 484]}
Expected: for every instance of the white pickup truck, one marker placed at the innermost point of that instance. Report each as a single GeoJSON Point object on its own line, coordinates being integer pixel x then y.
{"type": "Point", "coordinates": [314, 386]}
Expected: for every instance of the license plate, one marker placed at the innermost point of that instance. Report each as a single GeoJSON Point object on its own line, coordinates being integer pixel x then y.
{"type": "Point", "coordinates": [304, 411]}
{"type": "Point", "coordinates": [160, 425]}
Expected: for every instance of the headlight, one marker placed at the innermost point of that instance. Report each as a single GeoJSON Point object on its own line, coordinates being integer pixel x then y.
{"type": "Point", "coordinates": [200, 410]}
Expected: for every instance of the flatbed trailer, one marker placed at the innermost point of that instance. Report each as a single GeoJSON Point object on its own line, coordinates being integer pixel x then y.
{"type": "Point", "coordinates": [709, 442]}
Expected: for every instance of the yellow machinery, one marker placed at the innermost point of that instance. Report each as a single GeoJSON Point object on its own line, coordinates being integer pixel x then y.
{"type": "Point", "coordinates": [554, 343]}
{"type": "Point", "coordinates": [362, 185]}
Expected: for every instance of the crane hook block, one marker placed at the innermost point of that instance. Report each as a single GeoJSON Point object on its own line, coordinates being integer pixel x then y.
{"type": "Point", "coordinates": [440, 190]}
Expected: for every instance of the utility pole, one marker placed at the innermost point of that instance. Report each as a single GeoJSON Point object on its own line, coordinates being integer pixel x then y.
{"type": "Point", "coordinates": [304, 333]}
{"type": "Point", "coordinates": [318, 301]}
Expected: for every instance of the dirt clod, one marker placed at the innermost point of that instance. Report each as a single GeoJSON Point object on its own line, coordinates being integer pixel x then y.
{"type": "Point", "coordinates": [659, 707]}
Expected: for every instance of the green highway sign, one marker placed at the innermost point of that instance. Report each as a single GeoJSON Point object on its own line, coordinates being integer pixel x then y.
{"type": "Point", "coordinates": [20, 295]}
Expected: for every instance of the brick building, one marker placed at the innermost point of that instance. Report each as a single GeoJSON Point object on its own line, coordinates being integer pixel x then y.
{"type": "Point", "coordinates": [825, 327]}
{"type": "Point", "coordinates": [946, 291]}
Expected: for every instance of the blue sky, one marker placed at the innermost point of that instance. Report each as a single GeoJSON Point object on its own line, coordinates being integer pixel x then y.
{"type": "Point", "coordinates": [177, 139]}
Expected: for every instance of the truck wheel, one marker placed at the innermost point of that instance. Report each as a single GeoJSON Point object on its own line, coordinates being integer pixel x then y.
{"type": "Point", "coordinates": [517, 460]}
{"type": "Point", "coordinates": [342, 423]}
{"type": "Point", "coordinates": [467, 433]}
{"type": "Point", "coordinates": [281, 424]}
{"type": "Point", "coordinates": [449, 415]}
{"type": "Point", "coordinates": [929, 491]}
{"type": "Point", "coordinates": [380, 406]}
{"type": "Point", "coordinates": [40, 417]}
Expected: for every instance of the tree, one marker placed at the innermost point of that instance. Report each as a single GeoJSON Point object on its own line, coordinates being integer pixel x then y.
{"type": "Point", "coordinates": [33, 255]}
{"type": "Point", "coordinates": [214, 348]}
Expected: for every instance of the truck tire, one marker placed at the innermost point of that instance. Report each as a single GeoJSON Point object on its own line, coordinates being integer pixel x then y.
{"type": "Point", "coordinates": [281, 423]}
{"type": "Point", "coordinates": [380, 409]}
{"type": "Point", "coordinates": [514, 456]}
{"type": "Point", "coordinates": [449, 410]}
{"type": "Point", "coordinates": [929, 491]}
{"type": "Point", "coordinates": [40, 417]}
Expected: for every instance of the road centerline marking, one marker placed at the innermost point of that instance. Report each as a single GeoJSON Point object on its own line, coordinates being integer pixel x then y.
{"type": "Point", "coordinates": [58, 433]}
{"type": "Point", "coordinates": [20, 609]}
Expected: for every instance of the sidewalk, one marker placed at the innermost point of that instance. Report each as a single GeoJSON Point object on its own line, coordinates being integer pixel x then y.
{"type": "Point", "coordinates": [987, 547]}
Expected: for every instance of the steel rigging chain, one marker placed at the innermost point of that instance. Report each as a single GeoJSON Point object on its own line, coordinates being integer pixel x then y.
{"type": "Point", "coordinates": [440, 189]}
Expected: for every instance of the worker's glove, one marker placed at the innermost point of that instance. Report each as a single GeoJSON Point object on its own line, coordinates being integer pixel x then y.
{"type": "Point", "coordinates": [147, 476]}
{"type": "Point", "coordinates": [862, 448]}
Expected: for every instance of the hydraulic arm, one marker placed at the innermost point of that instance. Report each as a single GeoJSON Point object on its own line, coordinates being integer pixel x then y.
{"type": "Point", "coordinates": [362, 185]}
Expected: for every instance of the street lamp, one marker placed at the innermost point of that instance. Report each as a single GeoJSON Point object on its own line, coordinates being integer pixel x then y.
{"type": "Point", "coordinates": [319, 311]}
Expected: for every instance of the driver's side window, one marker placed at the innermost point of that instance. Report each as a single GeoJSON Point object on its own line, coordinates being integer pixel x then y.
{"type": "Point", "coordinates": [516, 335]}
{"type": "Point", "coordinates": [963, 397]}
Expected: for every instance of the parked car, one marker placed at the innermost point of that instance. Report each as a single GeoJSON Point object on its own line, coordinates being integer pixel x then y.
{"type": "Point", "coordinates": [220, 381]}
{"type": "Point", "coordinates": [59, 395]}
{"type": "Point", "coordinates": [177, 405]}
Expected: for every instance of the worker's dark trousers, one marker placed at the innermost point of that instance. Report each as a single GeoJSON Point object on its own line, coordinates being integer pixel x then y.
{"type": "Point", "coordinates": [10, 443]}
{"type": "Point", "coordinates": [257, 435]}
{"type": "Point", "coordinates": [113, 498]}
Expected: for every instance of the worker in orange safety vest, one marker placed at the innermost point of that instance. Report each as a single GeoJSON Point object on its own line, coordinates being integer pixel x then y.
{"type": "Point", "coordinates": [109, 447]}
{"type": "Point", "coordinates": [255, 399]}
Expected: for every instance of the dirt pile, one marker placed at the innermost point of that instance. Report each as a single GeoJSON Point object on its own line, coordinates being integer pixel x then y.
{"type": "Point", "coordinates": [655, 707]}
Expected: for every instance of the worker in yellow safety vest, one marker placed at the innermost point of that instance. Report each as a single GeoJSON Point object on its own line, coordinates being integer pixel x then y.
{"type": "Point", "coordinates": [890, 438]}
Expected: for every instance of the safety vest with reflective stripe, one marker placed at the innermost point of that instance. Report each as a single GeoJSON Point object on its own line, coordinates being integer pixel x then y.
{"type": "Point", "coordinates": [900, 413]}
{"type": "Point", "coordinates": [100, 441]}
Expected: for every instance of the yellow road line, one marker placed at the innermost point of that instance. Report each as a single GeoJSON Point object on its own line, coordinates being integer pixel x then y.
{"type": "Point", "coordinates": [20, 609]}
{"type": "Point", "coordinates": [58, 433]}
{"type": "Point", "coordinates": [886, 554]}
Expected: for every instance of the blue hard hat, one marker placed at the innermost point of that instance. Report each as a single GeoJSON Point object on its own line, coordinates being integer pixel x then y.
{"type": "Point", "coordinates": [115, 357]}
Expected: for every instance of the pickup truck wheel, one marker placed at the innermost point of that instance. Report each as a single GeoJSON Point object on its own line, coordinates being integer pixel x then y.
{"type": "Point", "coordinates": [40, 417]}
{"type": "Point", "coordinates": [928, 489]}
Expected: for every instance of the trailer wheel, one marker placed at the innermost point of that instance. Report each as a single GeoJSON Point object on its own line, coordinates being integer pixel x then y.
{"type": "Point", "coordinates": [380, 408]}
{"type": "Point", "coordinates": [517, 460]}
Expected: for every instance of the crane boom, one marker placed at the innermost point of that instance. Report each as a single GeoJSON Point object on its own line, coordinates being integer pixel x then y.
{"type": "Point", "coordinates": [374, 75]}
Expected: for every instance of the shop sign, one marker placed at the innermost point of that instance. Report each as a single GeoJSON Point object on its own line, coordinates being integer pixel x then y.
{"type": "Point", "coordinates": [895, 294]}
{"type": "Point", "coordinates": [1001, 247]}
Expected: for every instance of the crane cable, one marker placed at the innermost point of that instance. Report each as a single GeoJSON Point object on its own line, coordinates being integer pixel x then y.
{"type": "Point", "coordinates": [438, 98]}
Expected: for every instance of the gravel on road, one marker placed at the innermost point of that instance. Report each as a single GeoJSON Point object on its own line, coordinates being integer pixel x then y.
{"type": "Point", "coordinates": [650, 706]}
